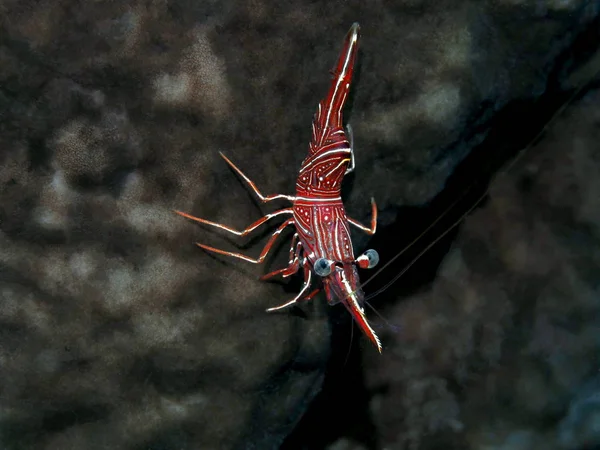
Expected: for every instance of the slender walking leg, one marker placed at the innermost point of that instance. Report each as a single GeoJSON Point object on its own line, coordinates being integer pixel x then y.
{"type": "Point", "coordinates": [251, 228]}
{"type": "Point", "coordinates": [293, 264]}
{"type": "Point", "coordinates": [311, 295]}
{"type": "Point", "coordinates": [305, 286]}
{"type": "Point", "coordinates": [263, 254]}
{"type": "Point", "coordinates": [360, 226]}
{"type": "Point", "coordinates": [263, 198]}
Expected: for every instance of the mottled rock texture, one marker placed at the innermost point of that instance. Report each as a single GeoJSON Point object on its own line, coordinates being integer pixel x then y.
{"type": "Point", "coordinates": [116, 332]}
{"type": "Point", "coordinates": [501, 350]}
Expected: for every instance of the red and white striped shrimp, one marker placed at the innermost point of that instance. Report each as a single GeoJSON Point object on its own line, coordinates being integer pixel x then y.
{"type": "Point", "coordinates": [321, 243]}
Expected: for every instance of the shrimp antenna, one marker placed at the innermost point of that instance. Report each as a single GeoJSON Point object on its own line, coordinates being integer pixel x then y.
{"type": "Point", "coordinates": [387, 322]}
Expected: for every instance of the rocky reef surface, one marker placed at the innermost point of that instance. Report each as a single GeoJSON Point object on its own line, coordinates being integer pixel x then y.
{"type": "Point", "coordinates": [117, 332]}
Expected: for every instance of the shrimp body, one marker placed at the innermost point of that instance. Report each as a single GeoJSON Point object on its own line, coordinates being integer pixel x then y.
{"type": "Point", "coordinates": [321, 244]}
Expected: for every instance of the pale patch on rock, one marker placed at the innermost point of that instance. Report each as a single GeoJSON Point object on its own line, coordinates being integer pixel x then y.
{"type": "Point", "coordinates": [93, 149]}
{"type": "Point", "coordinates": [388, 124]}
{"type": "Point", "coordinates": [208, 71]}
{"type": "Point", "coordinates": [430, 407]}
{"type": "Point", "coordinates": [18, 305]}
{"type": "Point", "coordinates": [55, 199]}
{"type": "Point", "coordinates": [456, 51]}
{"type": "Point", "coordinates": [162, 275]}
{"type": "Point", "coordinates": [74, 274]}
{"type": "Point", "coordinates": [174, 409]}
{"type": "Point", "coordinates": [149, 219]}
{"type": "Point", "coordinates": [149, 287]}
{"type": "Point", "coordinates": [80, 150]}
{"type": "Point", "coordinates": [152, 220]}
{"type": "Point", "coordinates": [82, 265]}
{"type": "Point", "coordinates": [72, 140]}
{"type": "Point", "coordinates": [139, 419]}
{"type": "Point", "coordinates": [134, 187]}
{"type": "Point", "coordinates": [200, 81]}
{"type": "Point", "coordinates": [121, 287]}
{"type": "Point", "coordinates": [453, 267]}
{"type": "Point", "coordinates": [440, 103]}
{"type": "Point", "coordinates": [173, 90]}
{"type": "Point", "coordinates": [156, 329]}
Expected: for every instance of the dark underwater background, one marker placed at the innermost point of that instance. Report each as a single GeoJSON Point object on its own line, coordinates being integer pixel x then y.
{"type": "Point", "coordinates": [116, 332]}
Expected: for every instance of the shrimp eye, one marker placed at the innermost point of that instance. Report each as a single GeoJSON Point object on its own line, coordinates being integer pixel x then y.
{"type": "Point", "coordinates": [368, 259]}
{"type": "Point", "coordinates": [323, 267]}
